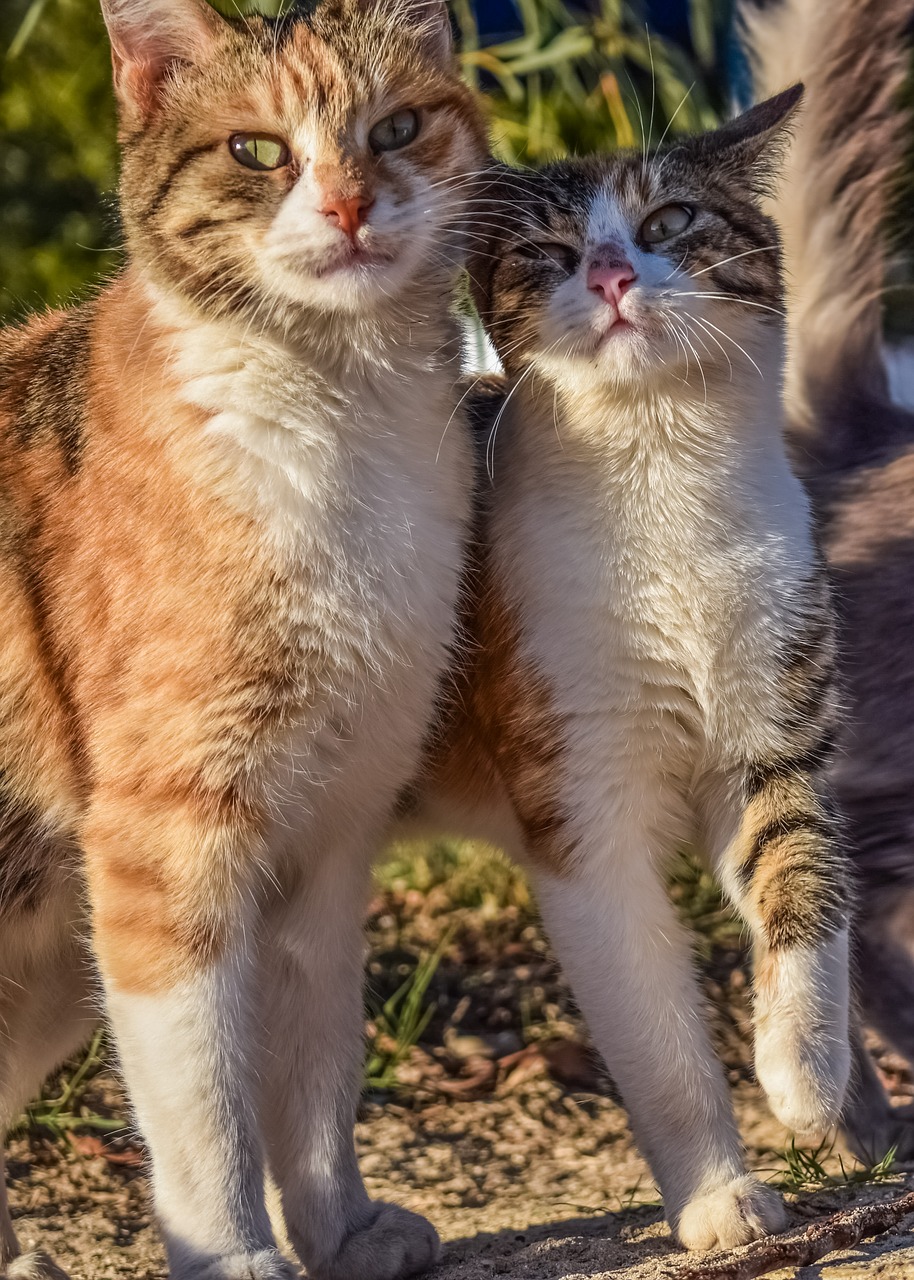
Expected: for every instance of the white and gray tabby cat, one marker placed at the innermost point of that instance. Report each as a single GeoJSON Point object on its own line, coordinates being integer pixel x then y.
{"type": "Point", "coordinates": [649, 638]}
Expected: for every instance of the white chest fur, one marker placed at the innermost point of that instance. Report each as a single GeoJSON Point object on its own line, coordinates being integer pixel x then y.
{"type": "Point", "coordinates": [659, 564]}
{"type": "Point", "coordinates": [359, 481]}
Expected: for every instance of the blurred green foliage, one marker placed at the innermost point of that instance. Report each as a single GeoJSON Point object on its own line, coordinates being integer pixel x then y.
{"type": "Point", "coordinates": [573, 81]}
{"type": "Point", "coordinates": [58, 154]}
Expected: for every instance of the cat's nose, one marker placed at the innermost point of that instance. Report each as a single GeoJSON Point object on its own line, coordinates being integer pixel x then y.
{"type": "Point", "coordinates": [611, 282]}
{"type": "Point", "coordinates": [350, 215]}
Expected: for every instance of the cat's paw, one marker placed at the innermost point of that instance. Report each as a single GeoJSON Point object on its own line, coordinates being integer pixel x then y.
{"type": "Point", "coordinates": [802, 1046]}
{"type": "Point", "coordinates": [804, 1076]}
{"type": "Point", "coordinates": [396, 1244]}
{"type": "Point", "coordinates": [33, 1265]}
{"type": "Point", "coordinates": [735, 1213]}
{"type": "Point", "coordinates": [266, 1264]}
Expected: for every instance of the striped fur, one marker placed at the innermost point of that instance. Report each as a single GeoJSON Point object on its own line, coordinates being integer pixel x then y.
{"type": "Point", "coordinates": [649, 653]}
{"type": "Point", "coordinates": [856, 450]}
{"type": "Point", "coordinates": [233, 505]}
{"type": "Point", "coordinates": [852, 56]}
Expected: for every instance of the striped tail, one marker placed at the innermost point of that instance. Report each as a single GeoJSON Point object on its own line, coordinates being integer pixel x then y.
{"type": "Point", "coordinates": [852, 56]}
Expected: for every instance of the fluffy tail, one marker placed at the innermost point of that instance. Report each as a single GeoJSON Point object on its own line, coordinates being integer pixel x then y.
{"type": "Point", "coordinates": [852, 56]}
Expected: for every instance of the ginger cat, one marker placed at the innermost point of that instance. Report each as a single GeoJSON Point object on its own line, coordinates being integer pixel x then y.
{"type": "Point", "coordinates": [231, 532]}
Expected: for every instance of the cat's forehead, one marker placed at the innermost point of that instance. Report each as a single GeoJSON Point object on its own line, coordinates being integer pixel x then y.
{"type": "Point", "coordinates": [325, 68]}
{"type": "Point", "coordinates": [600, 197]}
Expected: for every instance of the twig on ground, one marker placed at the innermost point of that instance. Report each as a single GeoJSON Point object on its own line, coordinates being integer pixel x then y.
{"type": "Point", "coordinates": [840, 1231]}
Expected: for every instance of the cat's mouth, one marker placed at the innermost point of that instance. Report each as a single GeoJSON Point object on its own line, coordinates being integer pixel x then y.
{"type": "Point", "coordinates": [353, 258]}
{"type": "Point", "coordinates": [615, 329]}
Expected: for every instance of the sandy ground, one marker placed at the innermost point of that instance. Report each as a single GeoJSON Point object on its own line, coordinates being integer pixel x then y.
{"type": "Point", "coordinates": [502, 1128]}
{"type": "Point", "coordinates": [532, 1182]}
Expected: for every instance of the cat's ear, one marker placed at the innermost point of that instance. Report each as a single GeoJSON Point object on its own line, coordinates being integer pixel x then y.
{"type": "Point", "coordinates": [435, 28]}
{"type": "Point", "coordinates": [430, 21]}
{"type": "Point", "coordinates": [758, 136]}
{"type": "Point", "coordinates": [148, 39]}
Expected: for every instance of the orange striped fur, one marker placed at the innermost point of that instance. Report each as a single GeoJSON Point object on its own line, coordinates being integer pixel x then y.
{"type": "Point", "coordinates": [230, 550]}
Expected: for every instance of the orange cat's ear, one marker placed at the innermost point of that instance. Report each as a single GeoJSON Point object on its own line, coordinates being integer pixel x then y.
{"type": "Point", "coordinates": [429, 19]}
{"type": "Point", "coordinates": [435, 25]}
{"type": "Point", "coordinates": [150, 37]}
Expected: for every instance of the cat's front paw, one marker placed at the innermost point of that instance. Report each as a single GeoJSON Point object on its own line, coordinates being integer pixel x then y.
{"type": "Point", "coordinates": [804, 1075]}
{"type": "Point", "coordinates": [733, 1214]}
{"type": "Point", "coordinates": [396, 1244]}
{"type": "Point", "coordinates": [33, 1265]}
{"type": "Point", "coordinates": [266, 1264]}
{"type": "Point", "coordinates": [802, 1045]}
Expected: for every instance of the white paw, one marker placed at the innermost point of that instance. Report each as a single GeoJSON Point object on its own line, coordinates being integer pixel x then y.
{"type": "Point", "coordinates": [397, 1244]}
{"type": "Point", "coordinates": [33, 1265]}
{"type": "Point", "coordinates": [266, 1264]}
{"type": "Point", "coordinates": [802, 1050]}
{"type": "Point", "coordinates": [739, 1211]}
{"type": "Point", "coordinates": [804, 1081]}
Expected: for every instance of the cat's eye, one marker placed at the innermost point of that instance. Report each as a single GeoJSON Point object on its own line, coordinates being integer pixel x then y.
{"type": "Point", "coordinates": [259, 151]}
{"type": "Point", "coordinates": [551, 251]}
{"type": "Point", "coordinates": [394, 132]}
{"type": "Point", "coordinates": [665, 223]}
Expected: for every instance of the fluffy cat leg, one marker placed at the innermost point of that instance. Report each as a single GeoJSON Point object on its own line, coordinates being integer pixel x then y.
{"type": "Point", "coordinates": [629, 963]}
{"type": "Point", "coordinates": [871, 1125]}
{"type": "Point", "coordinates": [313, 1007]}
{"type": "Point", "coordinates": [47, 1011]}
{"type": "Point", "coordinates": [787, 875]}
{"type": "Point", "coordinates": [172, 896]}
{"type": "Point", "coordinates": [883, 948]}
{"type": "Point", "coordinates": [883, 940]}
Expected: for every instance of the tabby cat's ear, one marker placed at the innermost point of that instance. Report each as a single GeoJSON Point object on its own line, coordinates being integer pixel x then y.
{"type": "Point", "coordinates": [755, 140]}
{"type": "Point", "coordinates": [149, 38]}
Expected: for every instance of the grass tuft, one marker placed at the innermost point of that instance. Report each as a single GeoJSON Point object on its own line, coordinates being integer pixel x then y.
{"type": "Point", "coordinates": [60, 1115]}
{"type": "Point", "coordinates": [401, 1020]}
{"type": "Point", "coordinates": [806, 1171]}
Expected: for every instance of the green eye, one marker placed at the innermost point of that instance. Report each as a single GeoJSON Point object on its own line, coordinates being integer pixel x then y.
{"type": "Point", "coordinates": [394, 131]}
{"type": "Point", "coordinates": [665, 223]}
{"type": "Point", "coordinates": [259, 152]}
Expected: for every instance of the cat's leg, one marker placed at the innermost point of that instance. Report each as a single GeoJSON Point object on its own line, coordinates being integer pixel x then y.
{"type": "Point", "coordinates": [778, 846]}
{"type": "Point", "coordinates": [883, 939]}
{"type": "Point", "coordinates": [883, 948]}
{"type": "Point", "coordinates": [629, 962]}
{"type": "Point", "coordinates": [174, 880]}
{"type": "Point", "coordinates": [869, 1122]}
{"type": "Point", "coordinates": [47, 1011]}
{"type": "Point", "coordinates": [312, 1003]}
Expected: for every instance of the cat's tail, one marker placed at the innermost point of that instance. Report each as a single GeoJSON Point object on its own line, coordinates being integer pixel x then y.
{"type": "Point", "coordinates": [831, 205]}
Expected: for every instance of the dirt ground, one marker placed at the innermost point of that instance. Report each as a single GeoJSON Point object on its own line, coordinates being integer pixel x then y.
{"type": "Point", "coordinates": [499, 1125]}
{"type": "Point", "coordinates": [530, 1183]}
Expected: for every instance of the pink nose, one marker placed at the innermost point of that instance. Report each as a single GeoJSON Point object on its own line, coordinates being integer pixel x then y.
{"type": "Point", "coordinates": [611, 282]}
{"type": "Point", "coordinates": [349, 215]}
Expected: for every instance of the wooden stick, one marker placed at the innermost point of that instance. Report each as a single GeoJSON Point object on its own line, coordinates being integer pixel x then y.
{"type": "Point", "coordinates": [840, 1231]}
